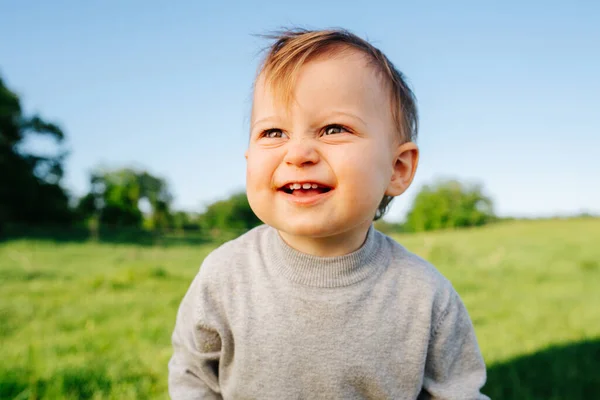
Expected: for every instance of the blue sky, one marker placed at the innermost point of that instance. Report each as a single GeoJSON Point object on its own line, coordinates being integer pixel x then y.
{"type": "Point", "coordinates": [508, 92]}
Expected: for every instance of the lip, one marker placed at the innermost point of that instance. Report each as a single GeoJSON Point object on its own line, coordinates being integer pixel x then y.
{"type": "Point", "coordinates": [306, 200]}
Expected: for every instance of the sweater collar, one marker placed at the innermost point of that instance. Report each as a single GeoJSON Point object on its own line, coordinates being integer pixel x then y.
{"type": "Point", "coordinates": [328, 272]}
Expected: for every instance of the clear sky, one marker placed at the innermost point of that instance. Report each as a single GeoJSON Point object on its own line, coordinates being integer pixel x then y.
{"type": "Point", "coordinates": [508, 92]}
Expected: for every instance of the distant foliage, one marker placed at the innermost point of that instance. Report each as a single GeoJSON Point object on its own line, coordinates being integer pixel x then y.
{"type": "Point", "coordinates": [233, 214]}
{"type": "Point", "coordinates": [449, 204]}
{"type": "Point", "coordinates": [184, 221]}
{"type": "Point", "coordinates": [30, 190]}
{"type": "Point", "coordinates": [115, 196]}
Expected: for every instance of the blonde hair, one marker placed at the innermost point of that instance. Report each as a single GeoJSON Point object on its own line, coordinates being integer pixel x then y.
{"type": "Point", "coordinates": [292, 48]}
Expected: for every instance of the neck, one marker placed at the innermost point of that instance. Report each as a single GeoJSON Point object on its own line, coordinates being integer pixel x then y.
{"type": "Point", "coordinates": [329, 246]}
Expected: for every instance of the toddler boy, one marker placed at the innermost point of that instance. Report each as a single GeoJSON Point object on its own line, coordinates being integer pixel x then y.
{"type": "Point", "coordinates": [316, 303]}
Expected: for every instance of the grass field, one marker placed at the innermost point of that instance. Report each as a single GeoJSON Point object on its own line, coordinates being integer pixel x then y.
{"type": "Point", "coordinates": [93, 320]}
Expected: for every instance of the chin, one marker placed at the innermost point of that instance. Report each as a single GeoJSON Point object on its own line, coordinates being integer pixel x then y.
{"type": "Point", "coordinates": [306, 229]}
{"type": "Point", "coordinates": [308, 232]}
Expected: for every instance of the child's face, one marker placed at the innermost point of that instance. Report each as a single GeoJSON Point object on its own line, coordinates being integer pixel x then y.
{"type": "Point", "coordinates": [339, 134]}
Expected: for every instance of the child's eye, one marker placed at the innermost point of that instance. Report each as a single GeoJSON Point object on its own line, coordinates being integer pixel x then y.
{"type": "Point", "coordinates": [273, 133]}
{"type": "Point", "coordinates": [333, 129]}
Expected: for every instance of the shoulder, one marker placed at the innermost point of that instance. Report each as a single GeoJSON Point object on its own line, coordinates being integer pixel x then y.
{"type": "Point", "coordinates": [204, 302]}
{"type": "Point", "coordinates": [416, 268]}
{"type": "Point", "coordinates": [232, 253]}
{"type": "Point", "coordinates": [415, 275]}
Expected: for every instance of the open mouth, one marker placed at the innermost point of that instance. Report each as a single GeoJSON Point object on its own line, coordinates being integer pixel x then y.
{"type": "Point", "coordinates": [305, 189]}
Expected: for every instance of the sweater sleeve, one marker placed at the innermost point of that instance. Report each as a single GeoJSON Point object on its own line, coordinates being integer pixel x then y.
{"type": "Point", "coordinates": [194, 365]}
{"type": "Point", "coordinates": [455, 369]}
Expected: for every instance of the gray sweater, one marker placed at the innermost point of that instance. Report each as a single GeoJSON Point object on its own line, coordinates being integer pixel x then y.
{"type": "Point", "coordinates": [263, 321]}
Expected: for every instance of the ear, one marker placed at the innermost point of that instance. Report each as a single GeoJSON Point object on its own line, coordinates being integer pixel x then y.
{"type": "Point", "coordinates": [404, 168]}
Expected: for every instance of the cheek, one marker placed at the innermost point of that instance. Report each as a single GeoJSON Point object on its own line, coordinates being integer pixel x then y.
{"type": "Point", "coordinates": [260, 167]}
{"type": "Point", "coordinates": [255, 182]}
{"type": "Point", "coordinates": [364, 167]}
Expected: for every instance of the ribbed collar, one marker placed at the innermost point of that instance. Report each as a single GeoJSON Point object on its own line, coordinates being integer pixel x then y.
{"type": "Point", "coordinates": [328, 272]}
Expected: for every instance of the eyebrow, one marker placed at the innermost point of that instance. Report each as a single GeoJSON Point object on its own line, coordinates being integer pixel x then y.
{"type": "Point", "coordinates": [271, 118]}
{"type": "Point", "coordinates": [348, 114]}
{"type": "Point", "coordinates": [274, 118]}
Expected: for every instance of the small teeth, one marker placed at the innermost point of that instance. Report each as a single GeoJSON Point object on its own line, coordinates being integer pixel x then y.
{"type": "Point", "coordinates": [295, 186]}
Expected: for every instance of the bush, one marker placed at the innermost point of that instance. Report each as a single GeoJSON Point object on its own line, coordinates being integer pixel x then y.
{"type": "Point", "coordinates": [232, 214]}
{"type": "Point", "coordinates": [449, 204]}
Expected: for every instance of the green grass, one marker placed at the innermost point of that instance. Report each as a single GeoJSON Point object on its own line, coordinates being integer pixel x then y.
{"type": "Point", "coordinates": [93, 320]}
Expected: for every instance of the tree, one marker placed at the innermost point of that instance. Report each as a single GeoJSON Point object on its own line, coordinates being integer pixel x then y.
{"type": "Point", "coordinates": [449, 204]}
{"type": "Point", "coordinates": [30, 190]}
{"type": "Point", "coordinates": [185, 221]}
{"type": "Point", "coordinates": [115, 195]}
{"type": "Point", "coordinates": [232, 214]}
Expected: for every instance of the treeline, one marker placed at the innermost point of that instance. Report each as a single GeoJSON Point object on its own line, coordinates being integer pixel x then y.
{"type": "Point", "coordinates": [32, 193]}
{"type": "Point", "coordinates": [117, 197]}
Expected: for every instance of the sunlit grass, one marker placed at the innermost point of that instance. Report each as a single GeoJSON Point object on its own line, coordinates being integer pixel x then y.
{"type": "Point", "coordinates": [93, 320]}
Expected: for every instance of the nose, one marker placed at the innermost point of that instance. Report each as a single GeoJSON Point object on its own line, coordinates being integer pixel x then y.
{"type": "Point", "coordinates": [301, 152]}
